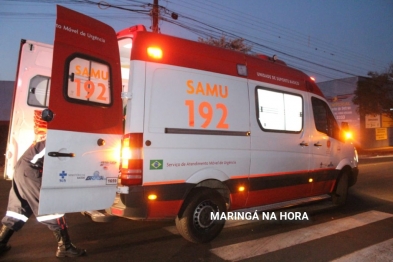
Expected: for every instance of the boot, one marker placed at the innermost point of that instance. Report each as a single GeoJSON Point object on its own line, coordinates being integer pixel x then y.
{"type": "Point", "coordinates": [65, 247]}
{"type": "Point", "coordinates": [5, 235]}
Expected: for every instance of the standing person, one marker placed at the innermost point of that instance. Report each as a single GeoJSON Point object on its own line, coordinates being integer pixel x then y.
{"type": "Point", "coordinates": [23, 202]}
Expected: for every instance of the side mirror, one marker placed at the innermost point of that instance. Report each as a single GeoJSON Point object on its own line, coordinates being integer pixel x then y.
{"type": "Point", "coordinates": [47, 115]}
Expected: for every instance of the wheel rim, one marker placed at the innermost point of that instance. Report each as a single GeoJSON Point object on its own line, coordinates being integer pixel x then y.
{"type": "Point", "coordinates": [202, 214]}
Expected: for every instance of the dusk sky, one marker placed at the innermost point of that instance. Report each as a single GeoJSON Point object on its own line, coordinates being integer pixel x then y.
{"type": "Point", "coordinates": [327, 39]}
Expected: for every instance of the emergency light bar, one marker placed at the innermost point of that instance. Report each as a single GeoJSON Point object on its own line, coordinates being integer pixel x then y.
{"type": "Point", "coordinates": [154, 52]}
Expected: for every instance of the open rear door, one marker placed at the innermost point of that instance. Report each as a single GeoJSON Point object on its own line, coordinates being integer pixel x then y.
{"type": "Point", "coordinates": [83, 139]}
{"type": "Point", "coordinates": [31, 93]}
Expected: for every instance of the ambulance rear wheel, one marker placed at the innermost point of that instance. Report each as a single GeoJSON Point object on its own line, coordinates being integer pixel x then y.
{"type": "Point", "coordinates": [195, 222]}
{"type": "Point", "coordinates": [340, 193]}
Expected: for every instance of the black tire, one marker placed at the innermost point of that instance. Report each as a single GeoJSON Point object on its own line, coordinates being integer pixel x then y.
{"type": "Point", "coordinates": [340, 192]}
{"type": "Point", "coordinates": [194, 221]}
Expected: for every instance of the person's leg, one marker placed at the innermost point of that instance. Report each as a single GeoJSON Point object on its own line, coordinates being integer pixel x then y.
{"type": "Point", "coordinates": [18, 211]}
{"type": "Point", "coordinates": [57, 225]}
{"type": "Point", "coordinates": [5, 235]}
{"type": "Point", "coordinates": [65, 247]}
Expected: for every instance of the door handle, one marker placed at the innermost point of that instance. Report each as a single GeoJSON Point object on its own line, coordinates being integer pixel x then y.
{"type": "Point", "coordinates": [58, 154]}
{"type": "Point", "coordinates": [317, 144]}
{"type": "Point", "coordinates": [303, 143]}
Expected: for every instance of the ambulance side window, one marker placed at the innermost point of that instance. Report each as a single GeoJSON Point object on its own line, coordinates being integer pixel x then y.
{"type": "Point", "coordinates": [279, 111]}
{"type": "Point", "coordinates": [324, 119]}
{"type": "Point", "coordinates": [88, 81]}
{"type": "Point", "coordinates": [38, 95]}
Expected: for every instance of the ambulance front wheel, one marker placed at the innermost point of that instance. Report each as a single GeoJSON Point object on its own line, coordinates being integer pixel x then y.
{"type": "Point", "coordinates": [198, 219]}
{"type": "Point", "coordinates": [340, 193]}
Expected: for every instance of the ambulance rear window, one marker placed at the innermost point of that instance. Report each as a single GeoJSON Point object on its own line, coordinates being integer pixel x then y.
{"type": "Point", "coordinates": [38, 95]}
{"type": "Point", "coordinates": [89, 81]}
{"type": "Point", "coordinates": [279, 111]}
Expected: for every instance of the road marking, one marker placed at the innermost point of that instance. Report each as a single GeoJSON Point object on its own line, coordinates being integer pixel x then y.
{"type": "Point", "coordinates": [378, 252]}
{"type": "Point", "coordinates": [269, 244]}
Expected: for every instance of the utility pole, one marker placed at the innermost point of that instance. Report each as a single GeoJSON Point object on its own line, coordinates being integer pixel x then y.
{"type": "Point", "coordinates": [154, 13]}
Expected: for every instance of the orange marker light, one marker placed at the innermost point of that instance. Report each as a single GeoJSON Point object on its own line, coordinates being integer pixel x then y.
{"type": "Point", "coordinates": [152, 197]}
{"type": "Point", "coordinates": [241, 188]}
{"type": "Point", "coordinates": [348, 135]}
{"type": "Point", "coordinates": [154, 52]}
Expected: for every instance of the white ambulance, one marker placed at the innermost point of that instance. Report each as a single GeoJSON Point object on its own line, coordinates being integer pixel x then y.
{"type": "Point", "coordinates": [175, 129]}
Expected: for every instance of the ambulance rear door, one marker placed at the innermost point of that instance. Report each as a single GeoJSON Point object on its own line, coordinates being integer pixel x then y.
{"type": "Point", "coordinates": [31, 93]}
{"type": "Point", "coordinates": [83, 138]}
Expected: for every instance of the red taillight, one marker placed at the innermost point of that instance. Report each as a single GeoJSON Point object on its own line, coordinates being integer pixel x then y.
{"type": "Point", "coordinates": [131, 169]}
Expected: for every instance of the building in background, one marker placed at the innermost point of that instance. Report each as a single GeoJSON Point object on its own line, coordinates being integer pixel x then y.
{"type": "Point", "coordinates": [6, 93]}
{"type": "Point", "coordinates": [370, 131]}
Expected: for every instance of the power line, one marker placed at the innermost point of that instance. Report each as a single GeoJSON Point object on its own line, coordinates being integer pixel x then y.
{"type": "Point", "coordinates": [344, 60]}
{"type": "Point", "coordinates": [321, 58]}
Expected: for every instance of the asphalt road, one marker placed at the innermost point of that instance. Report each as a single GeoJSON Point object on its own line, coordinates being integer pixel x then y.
{"type": "Point", "coordinates": [360, 231]}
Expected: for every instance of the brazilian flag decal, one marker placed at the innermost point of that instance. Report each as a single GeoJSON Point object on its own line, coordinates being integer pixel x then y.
{"type": "Point", "coordinates": [156, 164]}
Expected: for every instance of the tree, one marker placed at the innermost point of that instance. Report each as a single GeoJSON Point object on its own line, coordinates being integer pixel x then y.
{"type": "Point", "coordinates": [374, 95]}
{"type": "Point", "coordinates": [224, 42]}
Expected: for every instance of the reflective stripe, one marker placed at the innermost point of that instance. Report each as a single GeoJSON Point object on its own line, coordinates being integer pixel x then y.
{"type": "Point", "coordinates": [49, 217]}
{"type": "Point", "coordinates": [16, 215]}
{"type": "Point", "coordinates": [38, 156]}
